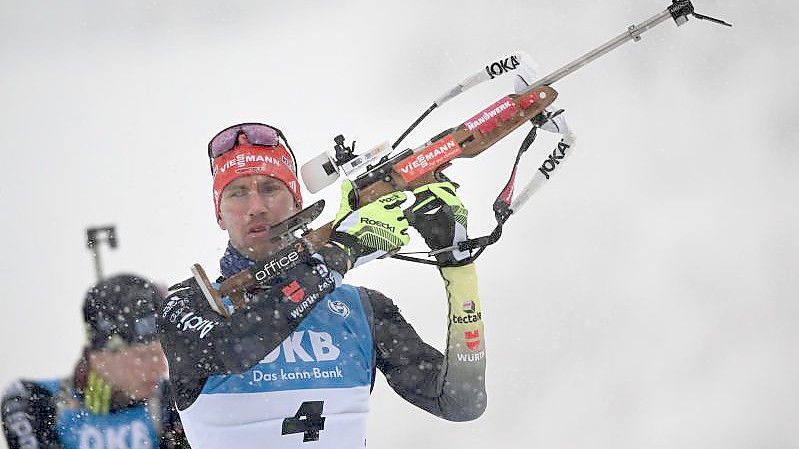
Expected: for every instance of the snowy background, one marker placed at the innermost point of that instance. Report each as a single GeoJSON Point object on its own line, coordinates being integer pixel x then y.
{"type": "Point", "coordinates": [642, 299]}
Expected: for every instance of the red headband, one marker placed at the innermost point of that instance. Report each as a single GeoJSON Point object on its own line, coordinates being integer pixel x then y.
{"type": "Point", "coordinates": [244, 160]}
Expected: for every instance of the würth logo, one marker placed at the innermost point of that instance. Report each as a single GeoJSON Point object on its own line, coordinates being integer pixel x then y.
{"type": "Point", "coordinates": [472, 339]}
{"type": "Point", "coordinates": [294, 292]}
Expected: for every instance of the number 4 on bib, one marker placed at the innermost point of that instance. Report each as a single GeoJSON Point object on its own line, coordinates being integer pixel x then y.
{"type": "Point", "coordinates": [308, 420]}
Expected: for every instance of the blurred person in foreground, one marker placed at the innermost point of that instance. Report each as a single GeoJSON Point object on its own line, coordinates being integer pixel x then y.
{"type": "Point", "coordinates": [295, 365]}
{"type": "Point", "coordinates": [117, 397]}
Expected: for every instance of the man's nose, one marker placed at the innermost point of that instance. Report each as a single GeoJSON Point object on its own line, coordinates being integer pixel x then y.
{"type": "Point", "coordinates": [256, 205]}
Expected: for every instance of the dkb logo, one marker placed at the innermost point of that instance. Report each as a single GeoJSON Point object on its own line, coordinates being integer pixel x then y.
{"type": "Point", "coordinates": [127, 436]}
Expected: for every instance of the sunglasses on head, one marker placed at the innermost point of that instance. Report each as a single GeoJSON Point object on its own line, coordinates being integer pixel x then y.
{"type": "Point", "coordinates": [256, 133]}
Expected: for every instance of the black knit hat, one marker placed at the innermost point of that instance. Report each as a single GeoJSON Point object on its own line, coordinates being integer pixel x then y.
{"type": "Point", "coordinates": [119, 311]}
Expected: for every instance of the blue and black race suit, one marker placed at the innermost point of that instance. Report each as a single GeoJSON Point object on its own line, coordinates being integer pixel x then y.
{"type": "Point", "coordinates": [298, 362]}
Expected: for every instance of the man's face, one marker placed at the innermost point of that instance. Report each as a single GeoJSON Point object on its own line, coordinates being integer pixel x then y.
{"type": "Point", "coordinates": [136, 370]}
{"type": "Point", "coordinates": [248, 207]}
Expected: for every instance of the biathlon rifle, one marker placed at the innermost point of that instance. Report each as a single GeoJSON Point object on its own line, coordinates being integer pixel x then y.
{"type": "Point", "coordinates": [379, 172]}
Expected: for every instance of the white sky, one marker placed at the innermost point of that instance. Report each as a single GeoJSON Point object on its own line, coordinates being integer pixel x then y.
{"type": "Point", "coordinates": [644, 299]}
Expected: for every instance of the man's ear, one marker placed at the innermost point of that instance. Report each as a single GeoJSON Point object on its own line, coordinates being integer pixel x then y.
{"type": "Point", "coordinates": [220, 222]}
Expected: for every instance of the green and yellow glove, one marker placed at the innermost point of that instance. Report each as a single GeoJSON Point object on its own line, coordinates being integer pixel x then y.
{"type": "Point", "coordinates": [440, 217]}
{"type": "Point", "coordinates": [371, 231]}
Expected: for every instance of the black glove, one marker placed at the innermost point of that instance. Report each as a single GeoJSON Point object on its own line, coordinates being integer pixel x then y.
{"type": "Point", "coordinates": [440, 217]}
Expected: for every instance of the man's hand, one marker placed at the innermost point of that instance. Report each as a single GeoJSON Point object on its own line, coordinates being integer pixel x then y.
{"type": "Point", "coordinates": [440, 217]}
{"type": "Point", "coordinates": [371, 231]}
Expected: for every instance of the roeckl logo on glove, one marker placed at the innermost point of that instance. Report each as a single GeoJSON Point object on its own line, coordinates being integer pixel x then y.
{"type": "Point", "coordinates": [371, 222]}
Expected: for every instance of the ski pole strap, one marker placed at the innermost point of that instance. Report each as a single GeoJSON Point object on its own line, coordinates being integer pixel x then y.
{"type": "Point", "coordinates": [502, 205]}
{"type": "Point", "coordinates": [502, 209]}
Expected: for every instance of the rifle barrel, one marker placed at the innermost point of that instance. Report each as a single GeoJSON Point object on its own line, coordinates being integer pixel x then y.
{"type": "Point", "coordinates": [633, 33]}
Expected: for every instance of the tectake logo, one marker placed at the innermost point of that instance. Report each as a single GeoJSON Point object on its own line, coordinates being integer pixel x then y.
{"type": "Point", "coordinates": [310, 300]}
{"type": "Point", "coordinates": [338, 307]}
{"type": "Point", "coordinates": [469, 306]}
{"type": "Point", "coordinates": [322, 270]}
{"type": "Point", "coordinates": [471, 318]}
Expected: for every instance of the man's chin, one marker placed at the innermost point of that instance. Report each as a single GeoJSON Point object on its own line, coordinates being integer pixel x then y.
{"type": "Point", "coordinates": [259, 251]}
